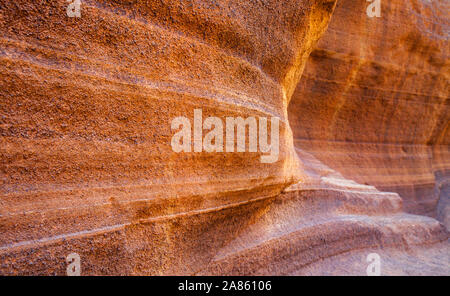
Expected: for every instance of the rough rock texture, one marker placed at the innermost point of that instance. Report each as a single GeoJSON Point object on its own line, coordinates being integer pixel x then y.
{"type": "Point", "coordinates": [87, 167]}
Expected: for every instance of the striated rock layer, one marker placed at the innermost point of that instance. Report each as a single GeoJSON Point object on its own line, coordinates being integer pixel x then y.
{"type": "Point", "coordinates": [373, 102]}
{"type": "Point", "coordinates": [87, 166]}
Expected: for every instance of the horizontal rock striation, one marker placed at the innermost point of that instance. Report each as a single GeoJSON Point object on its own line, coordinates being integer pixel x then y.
{"type": "Point", "coordinates": [87, 167]}
{"type": "Point", "coordinates": [373, 102]}
{"type": "Point", "coordinates": [86, 111]}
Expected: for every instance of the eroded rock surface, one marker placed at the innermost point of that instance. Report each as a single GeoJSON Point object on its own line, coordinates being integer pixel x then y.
{"type": "Point", "coordinates": [86, 162]}
{"type": "Point", "coordinates": [373, 102]}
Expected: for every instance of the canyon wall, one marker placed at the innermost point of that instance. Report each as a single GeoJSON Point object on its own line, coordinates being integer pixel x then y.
{"type": "Point", "coordinates": [86, 111]}
{"type": "Point", "coordinates": [87, 165]}
{"type": "Point", "coordinates": [373, 102]}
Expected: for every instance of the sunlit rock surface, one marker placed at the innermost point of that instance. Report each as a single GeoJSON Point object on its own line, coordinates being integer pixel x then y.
{"type": "Point", "coordinates": [87, 166]}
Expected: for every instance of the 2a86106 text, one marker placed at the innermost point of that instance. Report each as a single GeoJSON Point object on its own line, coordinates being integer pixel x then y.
{"type": "Point", "coordinates": [246, 285]}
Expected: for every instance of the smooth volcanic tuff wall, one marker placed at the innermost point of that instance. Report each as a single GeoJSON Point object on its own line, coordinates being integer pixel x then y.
{"type": "Point", "coordinates": [87, 166]}
{"type": "Point", "coordinates": [373, 102]}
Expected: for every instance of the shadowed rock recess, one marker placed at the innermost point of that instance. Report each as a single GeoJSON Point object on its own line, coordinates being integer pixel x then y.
{"type": "Point", "coordinates": [87, 167]}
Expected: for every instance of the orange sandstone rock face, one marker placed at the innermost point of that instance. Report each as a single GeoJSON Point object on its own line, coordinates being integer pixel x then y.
{"type": "Point", "coordinates": [373, 102]}
{"type": "Point", "coordinates": [87, 105]}
{"type": "Point", "coordinates": [87, 165]}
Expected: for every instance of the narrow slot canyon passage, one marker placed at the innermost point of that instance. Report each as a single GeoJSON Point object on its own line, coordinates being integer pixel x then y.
{"type": "Point", "coordinates": [90, 106]}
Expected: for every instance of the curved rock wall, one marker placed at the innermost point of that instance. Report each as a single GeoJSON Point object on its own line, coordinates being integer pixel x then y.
{"type": "Point", "coordinates": [87, 165]}
{"type": "Point", "coordinates": [373, 102]}
{"type": "Point", "coordinates": [86, 112]}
